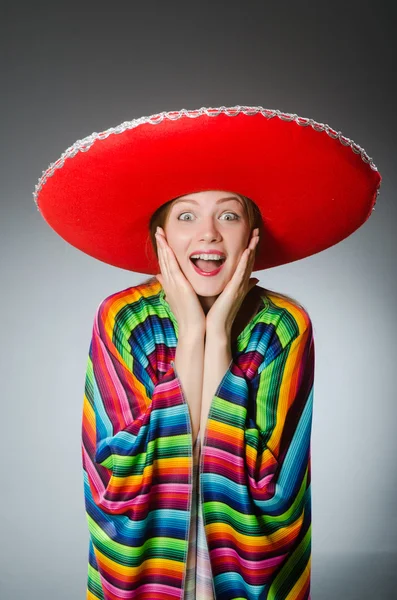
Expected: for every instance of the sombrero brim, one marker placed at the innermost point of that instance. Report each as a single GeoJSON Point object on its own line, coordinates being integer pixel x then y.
{"type": "Point", "coordinates": [314, 187]}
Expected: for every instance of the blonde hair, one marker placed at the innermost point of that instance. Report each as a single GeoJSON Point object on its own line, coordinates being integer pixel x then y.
{"type": "Point", "coordinates": [160, 218]}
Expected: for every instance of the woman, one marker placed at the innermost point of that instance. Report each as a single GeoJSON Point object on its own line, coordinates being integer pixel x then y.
{"type": "Point", "coordinates": [199, 386]}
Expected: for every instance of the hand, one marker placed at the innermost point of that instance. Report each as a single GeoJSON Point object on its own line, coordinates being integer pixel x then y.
{"type": "Point", "coordinates": [223, 312]}
{"type": "Point", "coordinates": [181, 296]}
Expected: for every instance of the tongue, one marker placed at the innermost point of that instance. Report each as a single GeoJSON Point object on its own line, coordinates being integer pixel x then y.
{"type": "Point", "coordinates": [207, 265]}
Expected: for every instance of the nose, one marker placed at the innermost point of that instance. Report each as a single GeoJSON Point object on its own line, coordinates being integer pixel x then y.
{"type": "Point", "coordinates": [209, 230]}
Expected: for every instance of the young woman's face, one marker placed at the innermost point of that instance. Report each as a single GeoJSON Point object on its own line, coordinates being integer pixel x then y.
{"type": "Point", "coordinates": [210, 220]}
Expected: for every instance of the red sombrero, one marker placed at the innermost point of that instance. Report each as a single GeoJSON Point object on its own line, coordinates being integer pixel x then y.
{"type": "Point", "coordinates": [313, 186]}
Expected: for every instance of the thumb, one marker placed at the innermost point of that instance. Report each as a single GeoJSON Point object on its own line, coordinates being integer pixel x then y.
{"type": "Point", "coordinates": [160, 279]}
{"type": "Point", "coordinates": [253, 282]}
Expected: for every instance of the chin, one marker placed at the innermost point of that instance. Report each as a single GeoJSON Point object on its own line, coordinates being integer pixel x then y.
{"type": "Point", "coordinates": [208, 289]}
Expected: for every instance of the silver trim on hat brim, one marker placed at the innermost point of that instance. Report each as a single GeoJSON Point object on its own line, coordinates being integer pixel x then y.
{"type": "Point", "coordinates": [85, 144]}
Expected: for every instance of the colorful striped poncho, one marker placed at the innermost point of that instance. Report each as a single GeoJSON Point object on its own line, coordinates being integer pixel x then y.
{"type": "Point", "coordinates": [254, 471]}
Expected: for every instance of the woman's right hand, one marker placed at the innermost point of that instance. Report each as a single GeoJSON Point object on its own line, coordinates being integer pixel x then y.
{"type": "Point", "coordinates": [180, 295]}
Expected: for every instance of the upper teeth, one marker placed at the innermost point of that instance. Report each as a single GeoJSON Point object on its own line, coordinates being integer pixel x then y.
{"type": "Point", "coordinates": [208, 256]}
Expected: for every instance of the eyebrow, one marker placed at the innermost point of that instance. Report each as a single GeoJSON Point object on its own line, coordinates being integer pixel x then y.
{"type": "Point", "coordinates": [217, 202]}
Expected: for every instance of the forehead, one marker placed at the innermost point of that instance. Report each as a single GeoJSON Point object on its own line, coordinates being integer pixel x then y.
{"type": "Point", "coordinates": [227, 197]}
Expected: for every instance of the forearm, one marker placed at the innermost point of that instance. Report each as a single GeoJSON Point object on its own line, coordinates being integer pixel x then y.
{"type": "Point", "coordinates": [189, 367]}
{"type": "Point", "coordinates": [217, 358]}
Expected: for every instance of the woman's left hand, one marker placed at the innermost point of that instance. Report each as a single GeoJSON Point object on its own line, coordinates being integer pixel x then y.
{"type": "Point", "coordinates": [220, 317]}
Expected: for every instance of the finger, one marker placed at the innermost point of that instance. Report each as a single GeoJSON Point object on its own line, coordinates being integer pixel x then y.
{"type": "Point", "coordinates": [251, 260]}
{"type": "Point", "coordinates": [171, 264]}
{"type": "Point", "coordinates": [163, 258]}
{"type": "Point", "coordinates": [243, 265]}
{"type": "Point", "coordinates": [254, 241]}
{"type": "Point", "coordinates": [158, 247]}
{"type": "Point", "coordinates": [249, 263]}
{"type": "Point", "coordinates": [252, 246]}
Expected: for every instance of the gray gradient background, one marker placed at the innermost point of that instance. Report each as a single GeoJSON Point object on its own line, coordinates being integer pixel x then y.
{"type": "Point", "coordinates": [68, 71]}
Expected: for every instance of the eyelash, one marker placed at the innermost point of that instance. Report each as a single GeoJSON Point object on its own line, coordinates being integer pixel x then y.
{"type": "Point", "coordinates": [226, 213]}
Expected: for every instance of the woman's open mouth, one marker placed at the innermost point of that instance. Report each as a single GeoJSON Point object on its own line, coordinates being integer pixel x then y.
{"type": "Point", "coordinates": [207, 268]}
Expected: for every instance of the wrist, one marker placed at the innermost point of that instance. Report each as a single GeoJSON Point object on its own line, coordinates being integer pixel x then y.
{"type": "Point", "coordinates": [190, 335]}
{"type": "Point", "coordinates": [220, 338]}
{"type": "Point", "coordinates": [214, 330]}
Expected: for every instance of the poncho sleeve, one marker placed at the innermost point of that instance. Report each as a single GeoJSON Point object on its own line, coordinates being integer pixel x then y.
{"type": "Point", "coordinates": [279, 423]}
{"type": "Point", "coordinates": [258, 465]}
{"type": "Point", "coordinates": [136, 454]}
{"type": "Point", "coordinates": [278, 464]}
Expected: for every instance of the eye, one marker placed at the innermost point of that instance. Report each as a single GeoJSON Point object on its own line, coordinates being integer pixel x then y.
{"type": "Point", "coordinates": [232, 213]}
{"type": "Point", "coordinates": [226, 213]}
{"type": "Point", "coordinates": [185, 213]}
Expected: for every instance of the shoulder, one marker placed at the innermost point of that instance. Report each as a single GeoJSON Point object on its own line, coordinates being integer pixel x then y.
{"type": "Point", "coordinates": [288, 317]}
{"type": "Point", "coordinates": [130, 297]}
{"type": "Point", "coordinates": [127, 308]}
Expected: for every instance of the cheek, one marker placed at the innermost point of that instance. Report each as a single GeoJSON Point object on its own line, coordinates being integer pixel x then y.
{"type": "Point", "coordinates": [178, 242]}
{"type": "Point", "coordinates": [175, 244]}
